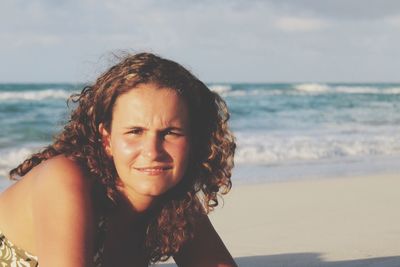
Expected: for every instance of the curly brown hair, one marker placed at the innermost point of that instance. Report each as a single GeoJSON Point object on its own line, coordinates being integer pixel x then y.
{"type": "Point", "coordinates": [211, 160]}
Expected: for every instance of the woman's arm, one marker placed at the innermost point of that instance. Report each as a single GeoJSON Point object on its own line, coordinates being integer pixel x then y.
{"type": "Point", "coordinates": [62, 215]}
{"type": "Point", "coordinates": [206, 249]}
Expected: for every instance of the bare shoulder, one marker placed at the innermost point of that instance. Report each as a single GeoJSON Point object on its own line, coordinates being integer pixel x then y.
{"type": "Point", "coordinates": [61, 199]}
{"type": "Point", "coordinates": [61, 169]}
{"type": "Point", "coordinates": [56, 179]}
{"type": "Point", "coordinates": [52, 213]}
{"type": "Point", "coordinates": [60, 182]}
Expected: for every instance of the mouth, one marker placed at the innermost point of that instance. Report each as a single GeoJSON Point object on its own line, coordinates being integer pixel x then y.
{"type": "Point", "coordinates": [154, 170]}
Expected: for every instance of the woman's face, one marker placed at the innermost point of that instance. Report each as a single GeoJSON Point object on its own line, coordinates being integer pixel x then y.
{"type": "Point", "coordinates": [149, 140]}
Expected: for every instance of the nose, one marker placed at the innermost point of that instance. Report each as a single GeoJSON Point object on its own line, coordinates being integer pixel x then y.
{"type": "Point", "coordinates": [152, 147]}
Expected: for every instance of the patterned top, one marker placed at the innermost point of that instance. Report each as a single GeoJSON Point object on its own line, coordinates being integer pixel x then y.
{"type": "Point", "coordinates": [11, 255]}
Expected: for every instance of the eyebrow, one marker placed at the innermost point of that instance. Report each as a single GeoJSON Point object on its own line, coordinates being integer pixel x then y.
{"type": "Point", "coordinates": [160, 130]}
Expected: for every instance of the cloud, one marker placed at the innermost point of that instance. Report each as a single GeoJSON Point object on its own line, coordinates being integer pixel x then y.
{"type": "Point", "coordinates": [299, 24]}
{"type": "Point", "coordinates": [241, 40]}
{"type": "Point", "coordinates": [393, 21]}
{"type": "Point", "coordinates": [351, 10]}
{"type": "Point", "coordinates": [29, 40]}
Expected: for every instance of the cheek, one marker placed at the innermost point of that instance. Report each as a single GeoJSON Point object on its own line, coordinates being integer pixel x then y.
{"type": "Point", "coordinates": [122, 148]}
{"type": "Point", "coordinates": [180, 152]}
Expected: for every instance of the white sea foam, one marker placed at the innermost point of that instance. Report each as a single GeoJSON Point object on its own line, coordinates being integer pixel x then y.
{"type": "Point", "coordinates": [316, 88]}
{"type": "Point", "coordinates": [305, 89]}
{"type": "Point", "coordinates": [312, 88]}
{"type": "Point", "coordinates": [357, 90]}
{"type": "Point", "coordinates": [367, 90]}
{"type": "Point", "coordinates": [220, 88]}
{"type": "Point", "coordinates": [10, 158]}
{"type": "Point", "coordinates": [276, 149]}
{"type": "Point", "coordinates": [392, 91]}
{"type": "Point", "coordinates": [254, 92]}
{"type": "Point", "coordinates": [35, 95]}
{"type": "Point", "coordinates": [258, 91]}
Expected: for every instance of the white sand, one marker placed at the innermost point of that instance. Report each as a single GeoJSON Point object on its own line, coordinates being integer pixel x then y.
{"type": "Point", "coordinates": [334, 222]}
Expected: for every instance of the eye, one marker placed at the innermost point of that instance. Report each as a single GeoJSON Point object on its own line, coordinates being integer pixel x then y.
{"type": "Point", "coordinates": [172, 133]}
{"type": "Point", "coordinates": [135, 131]}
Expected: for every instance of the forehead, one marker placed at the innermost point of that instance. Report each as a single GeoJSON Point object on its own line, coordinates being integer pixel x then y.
{"type": "Point", "coordinates": [150, 104]}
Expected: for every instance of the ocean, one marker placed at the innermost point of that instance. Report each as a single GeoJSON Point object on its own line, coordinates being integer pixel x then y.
{"type": "Point", "coordinates": [284, 131]}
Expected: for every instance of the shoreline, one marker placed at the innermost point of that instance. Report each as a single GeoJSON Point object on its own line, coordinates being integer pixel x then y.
{"type": "Point", "coordinates": [244, 174]}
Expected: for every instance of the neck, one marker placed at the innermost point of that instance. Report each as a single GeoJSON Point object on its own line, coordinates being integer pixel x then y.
{"type": "Point", "coordinates": [129, 200]}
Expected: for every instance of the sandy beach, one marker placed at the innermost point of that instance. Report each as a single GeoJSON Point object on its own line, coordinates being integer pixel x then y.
{"type": "Point", "coordinates": [331, 222]}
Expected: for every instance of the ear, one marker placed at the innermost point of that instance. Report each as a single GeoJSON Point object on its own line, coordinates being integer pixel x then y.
{"type": "Point", "coordinates": [105, 139]}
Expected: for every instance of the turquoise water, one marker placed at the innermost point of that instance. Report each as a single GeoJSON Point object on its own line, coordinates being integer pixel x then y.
{"type": "Point", "coordinates": [283, 131]}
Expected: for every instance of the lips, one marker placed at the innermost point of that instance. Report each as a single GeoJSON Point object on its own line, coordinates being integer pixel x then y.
{"type": "Point", "coordinates": [153, 170]}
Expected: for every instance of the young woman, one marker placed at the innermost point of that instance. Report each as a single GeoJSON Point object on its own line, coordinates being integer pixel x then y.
{"type": "Point", "coordinates": [130, 179]}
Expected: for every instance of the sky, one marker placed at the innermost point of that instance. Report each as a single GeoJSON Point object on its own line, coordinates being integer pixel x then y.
{"type": "Point", "coordinates": [218, 40]}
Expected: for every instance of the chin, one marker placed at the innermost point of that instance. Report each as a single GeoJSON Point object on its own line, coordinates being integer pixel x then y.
{"type": "Point", "coordinates": [153, 191]}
